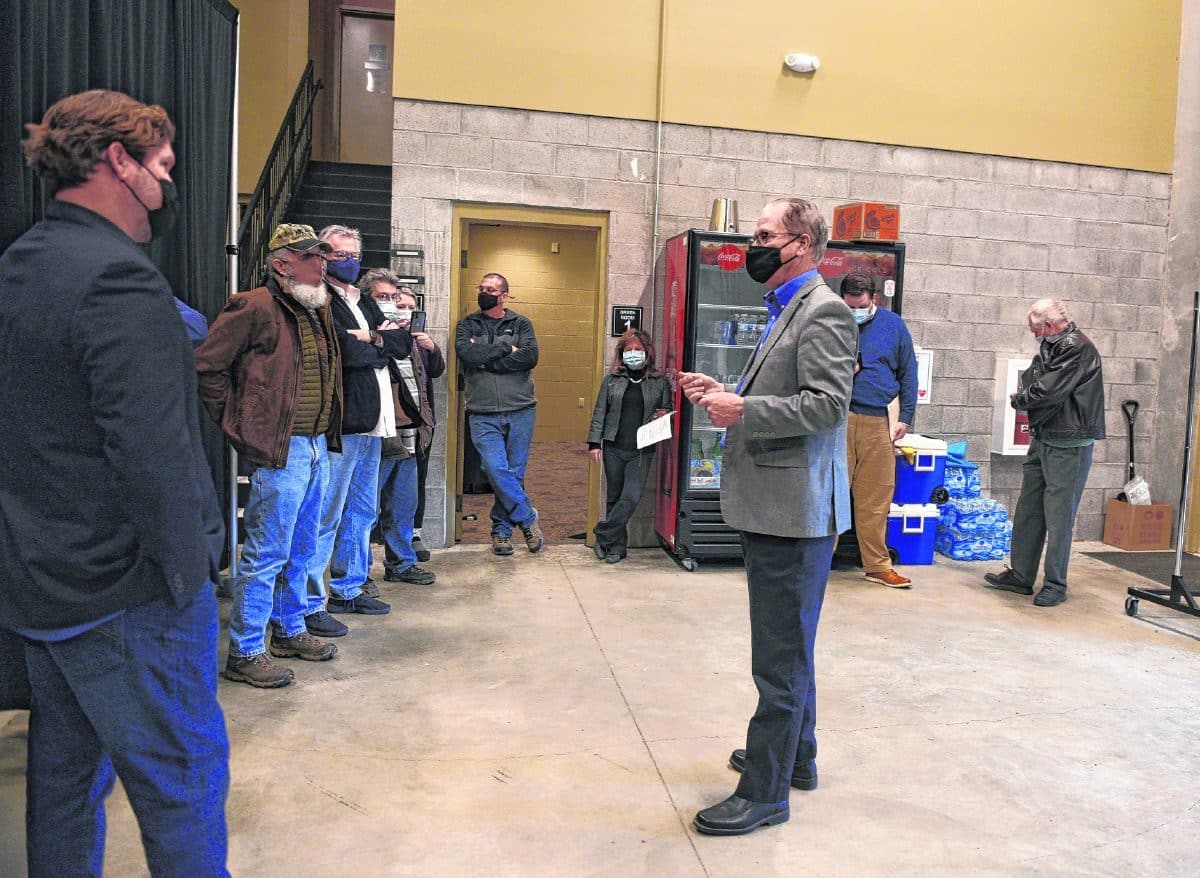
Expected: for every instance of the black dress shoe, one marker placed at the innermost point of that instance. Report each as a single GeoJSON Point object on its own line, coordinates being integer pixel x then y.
{"type": "Point", "coordinates": [737, 816]}
{"type": "Point", "coordinates": [1008, 581]}
{"type": "Point", "coordinates": [804, 777]}
{"type": "Point", "coordinates": [1050, 597]}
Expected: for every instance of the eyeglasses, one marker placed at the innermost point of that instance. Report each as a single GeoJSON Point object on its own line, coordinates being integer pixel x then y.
{"type": "Point", "coordinates": [491, 291]}
{"type": "Point", "coordinates": [305, 257]}
{"type": "Point", "coordinates": [761, 237]}
{"type": "Point", "coordinates": [338, 255]}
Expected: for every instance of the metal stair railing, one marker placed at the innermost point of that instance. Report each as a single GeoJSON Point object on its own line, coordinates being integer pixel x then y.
{"type": "Point", "coordinates": [278, 182]}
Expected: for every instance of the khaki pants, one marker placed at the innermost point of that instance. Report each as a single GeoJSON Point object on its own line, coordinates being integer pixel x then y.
{"type": "Point", "coordinates": [872, 464]}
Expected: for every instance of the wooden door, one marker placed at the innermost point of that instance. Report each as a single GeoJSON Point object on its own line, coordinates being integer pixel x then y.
{"type": "Point", "coordinates": [365, 127]}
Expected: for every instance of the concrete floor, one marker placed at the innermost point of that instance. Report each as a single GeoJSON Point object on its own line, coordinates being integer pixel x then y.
{"type": "Point", "coordinates": [551, 715]}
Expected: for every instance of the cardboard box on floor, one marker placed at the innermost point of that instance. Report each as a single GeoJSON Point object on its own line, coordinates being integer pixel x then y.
{"type": "Point", "coordinates": [1138, 528]}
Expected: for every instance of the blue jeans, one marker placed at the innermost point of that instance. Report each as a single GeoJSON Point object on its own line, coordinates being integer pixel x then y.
{"type": "Point", "coordinates": [347, 514]}
{"type": "Point", "coordinates": [135, 698]}
{"type": "Point", "coordinates": [503, 441]}
{"type": "Point", "coordinates": [281, 521]}
{"type": "Point", "coordinates": [397, 508]}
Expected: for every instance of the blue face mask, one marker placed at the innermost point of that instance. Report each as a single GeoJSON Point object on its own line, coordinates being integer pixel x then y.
{"type": "Point", "coordinates": [862, 315]}
{"type": "Point", "coordinates": [345, 270]}
{"type": "Point", "coordinates": [633, 359]}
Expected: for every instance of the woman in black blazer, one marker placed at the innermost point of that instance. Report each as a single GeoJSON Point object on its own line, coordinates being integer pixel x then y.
{"type": "Point", "coordinates": [632, 394]}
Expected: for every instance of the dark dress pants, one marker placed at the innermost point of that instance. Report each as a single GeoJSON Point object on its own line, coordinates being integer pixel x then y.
{"type": "Point", "coordinates": [787, 578]}
{"type": "Point", "coordinates": [1051, 487]}
{"type": "Point", "coordinates": [422, 472]}
{"type": "Point", "coordinates": [624, 478]}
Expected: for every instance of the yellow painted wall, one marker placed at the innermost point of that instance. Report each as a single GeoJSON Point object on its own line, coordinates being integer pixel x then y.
{"type": "Point", "coordinates": [1069, 80]}
{"type": "Point", "coordinates": [273, 53]}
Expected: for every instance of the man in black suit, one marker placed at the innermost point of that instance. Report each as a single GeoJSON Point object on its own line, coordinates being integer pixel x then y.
{"type": "Point", "coordinates": [110, 530]}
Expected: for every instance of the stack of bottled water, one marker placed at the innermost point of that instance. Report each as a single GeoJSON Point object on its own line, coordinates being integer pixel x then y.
{"type": "Point", "coordinates": [962, 479]}
{"type": "Point", "coordinates": [971, 527]}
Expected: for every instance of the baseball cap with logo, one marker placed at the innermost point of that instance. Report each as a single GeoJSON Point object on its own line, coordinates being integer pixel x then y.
{"type": "Point", "coordinates": [297, 237]}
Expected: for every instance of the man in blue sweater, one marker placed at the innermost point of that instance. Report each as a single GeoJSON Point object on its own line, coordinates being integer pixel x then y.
{"type": "Point", "coordinates": [887, 368]}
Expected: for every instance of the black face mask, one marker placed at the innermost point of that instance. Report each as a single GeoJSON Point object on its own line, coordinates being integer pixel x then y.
{"type": "Point", "coordinates": [487, 302]}
{"type": "Point", "coordinates": [162, 219]}
{"type": "Point", "coordinates": [763, 262]}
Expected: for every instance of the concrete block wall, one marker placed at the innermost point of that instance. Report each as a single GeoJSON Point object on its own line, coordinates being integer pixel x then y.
{"type": "Point", "coordinates": [985, 235]}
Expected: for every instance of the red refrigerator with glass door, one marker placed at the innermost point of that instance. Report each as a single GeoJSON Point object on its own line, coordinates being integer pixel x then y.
{"type": "Point", "coordinates": [711, 315]}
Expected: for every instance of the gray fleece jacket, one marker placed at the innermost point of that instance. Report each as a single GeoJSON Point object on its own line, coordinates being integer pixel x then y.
{"type": "Point", "coordinates": [498, 378]}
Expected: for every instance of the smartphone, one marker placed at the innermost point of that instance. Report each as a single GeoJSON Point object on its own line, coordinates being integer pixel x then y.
{"type": "Point", "coordinates": [418, 322]}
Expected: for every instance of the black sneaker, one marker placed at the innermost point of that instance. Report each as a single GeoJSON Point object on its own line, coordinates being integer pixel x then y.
{"type": "Point", "coordinates": [804, 777]}
{"type": "Point", "coordinates": [1050, 597]}
{"type": "Point", "coordinates": [419, 548]}
{"type": "Point", "coordinates": [1008, 581]}
{"type": "Point", "coordinates": [257, 670]}
{"type": "Point", "coordinates": [322, 624]}
{"type": "Point", "coordinates": [363, 605]}
{"type": "Point", "coordinates": [413, 575]}
{"type": "Point", "coordinates": [599, 551]}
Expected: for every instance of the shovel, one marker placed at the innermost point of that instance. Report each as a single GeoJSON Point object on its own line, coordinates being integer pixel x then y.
{"type": "Point", "coordinates": [1130, 408]}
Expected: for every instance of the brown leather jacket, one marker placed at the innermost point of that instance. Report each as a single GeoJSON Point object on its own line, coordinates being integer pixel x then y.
{"type": "Point", "coordinates": [249, 371]}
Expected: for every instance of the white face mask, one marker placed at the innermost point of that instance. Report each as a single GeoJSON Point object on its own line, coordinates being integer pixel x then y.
{"type": "Point", "coordinates": [403, 315]}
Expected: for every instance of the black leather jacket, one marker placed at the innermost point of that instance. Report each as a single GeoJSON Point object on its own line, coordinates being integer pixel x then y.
{"type": "Point", "coordinates": [1063, 389]}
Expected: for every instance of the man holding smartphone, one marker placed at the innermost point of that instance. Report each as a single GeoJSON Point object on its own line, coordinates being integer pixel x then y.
{"type": "Point", "coordinates": [405, 458]}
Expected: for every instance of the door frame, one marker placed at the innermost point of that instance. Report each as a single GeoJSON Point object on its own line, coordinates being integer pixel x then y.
{"type": "Point", "coordinates": [463, 214]}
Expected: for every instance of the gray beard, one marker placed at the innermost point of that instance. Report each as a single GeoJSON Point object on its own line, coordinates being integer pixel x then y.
{"type": "Point", "coordinates": [311, 296]}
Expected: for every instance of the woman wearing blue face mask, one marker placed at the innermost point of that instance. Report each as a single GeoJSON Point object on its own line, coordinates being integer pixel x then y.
{"type": "Point", "coordinates": [632, 394]}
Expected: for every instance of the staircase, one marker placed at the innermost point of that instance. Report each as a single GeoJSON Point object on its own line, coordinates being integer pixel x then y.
{"type": "Point", "coordinates": [358, 196]}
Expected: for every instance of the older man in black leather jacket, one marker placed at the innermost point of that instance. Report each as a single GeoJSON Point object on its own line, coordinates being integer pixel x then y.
{"type": "Point", "coordinates": [1063, 392]}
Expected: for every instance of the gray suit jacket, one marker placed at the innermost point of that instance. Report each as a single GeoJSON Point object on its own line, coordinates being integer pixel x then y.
{"type": "Point", "coordinates": [784, 471]}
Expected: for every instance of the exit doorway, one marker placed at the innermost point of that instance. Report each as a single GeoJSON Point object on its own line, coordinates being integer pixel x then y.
{"type": "Point", "coordinates": [554, 261]}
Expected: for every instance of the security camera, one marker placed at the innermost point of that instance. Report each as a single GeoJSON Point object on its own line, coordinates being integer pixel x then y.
{"type": "Point", "coordinates": [798, 62]}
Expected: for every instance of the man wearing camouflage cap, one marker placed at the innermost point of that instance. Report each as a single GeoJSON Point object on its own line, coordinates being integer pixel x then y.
{"type": "Point", "coordinates": [270, 375]}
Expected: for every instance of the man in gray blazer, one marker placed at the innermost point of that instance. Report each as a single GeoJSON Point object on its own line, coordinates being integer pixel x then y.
{"type": "Point", "coordinates": [785, 487]}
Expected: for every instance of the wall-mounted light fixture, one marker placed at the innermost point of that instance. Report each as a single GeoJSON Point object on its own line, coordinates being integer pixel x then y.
{"type": "Point", "coordinates": [798, 62]}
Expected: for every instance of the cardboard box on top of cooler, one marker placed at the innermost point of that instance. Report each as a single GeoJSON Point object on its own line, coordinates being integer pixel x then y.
{"type": "Point", "coordinates": [866, 221]}
{"type": "Point", "coordinates": [1138, 528]}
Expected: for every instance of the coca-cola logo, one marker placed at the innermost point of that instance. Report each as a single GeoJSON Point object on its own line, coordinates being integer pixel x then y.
{"type": "Point", "coordinates": [731, 257]}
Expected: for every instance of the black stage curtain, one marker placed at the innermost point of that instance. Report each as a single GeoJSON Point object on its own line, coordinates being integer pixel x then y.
{"type": "Point", "coordinates": [178, 53]}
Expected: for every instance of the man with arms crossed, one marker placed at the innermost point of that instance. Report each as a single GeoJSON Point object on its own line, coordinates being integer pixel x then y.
{"type": "Point", "coordinates": [498, 350]}
{"type": "Point", "coordinates": [785, 487]}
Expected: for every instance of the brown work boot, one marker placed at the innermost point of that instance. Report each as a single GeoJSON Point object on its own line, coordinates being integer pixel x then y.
{"type": "Point", "coordinates": [534, 539]}
{"type": "Point", "coordinates": [303, 646]}
{"type": "Point", "coordinates": [890, 578]}
{"type": "Point", "coordinates": [257, 670]}
{"type": "Point", "coordinates": [501, 545]}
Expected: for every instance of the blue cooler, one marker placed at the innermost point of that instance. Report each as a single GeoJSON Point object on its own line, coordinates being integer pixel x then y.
{"type": "Point", "coordinates": [912, 531]}
{"type": "Point", "coordinates": [920, 468]}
